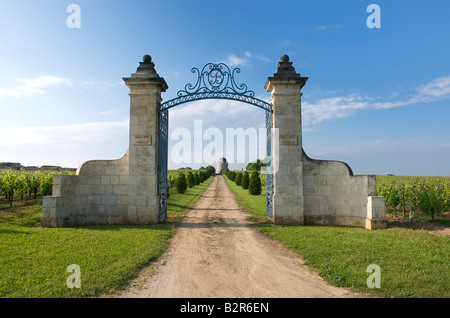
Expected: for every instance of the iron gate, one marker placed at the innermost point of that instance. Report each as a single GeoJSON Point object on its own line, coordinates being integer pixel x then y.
{"type": "Point", "coordinates": [214, 81]}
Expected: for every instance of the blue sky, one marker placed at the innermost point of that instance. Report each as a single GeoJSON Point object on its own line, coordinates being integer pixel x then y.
{"type": "Point", "coordinates": [378, 99]}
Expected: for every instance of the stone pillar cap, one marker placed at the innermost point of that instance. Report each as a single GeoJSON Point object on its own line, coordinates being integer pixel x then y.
{"type": "Point", "coordinates": [146, 73]}
{"type": "Point", "coordinates": [286, 74]}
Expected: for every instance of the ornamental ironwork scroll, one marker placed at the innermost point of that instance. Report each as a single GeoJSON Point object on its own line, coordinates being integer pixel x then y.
{"type": "Point", "coordinates": [216, 81]}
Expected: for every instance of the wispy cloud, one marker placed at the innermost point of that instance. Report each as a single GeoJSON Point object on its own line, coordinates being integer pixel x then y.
{"type": "Point", "coordinates": [258, 57]}
{"type": "Point", "coordinates": [44, 81]}
{"type": "Point", "coordinates": [285, 43]}
{"type": "Point", "coordinates": [327, 27]}
{"type": "Point", "coordinates": [83, 133]}
{"type": "Point", "coordinates": [234, 60]}
{"type": "Point", "coordinates": [345, 106]}
{"type": "Point", "coordinates": [372, 147]}
{"type": "Point", "coordinates": [65, 145]}
{"type": "Point", "coordinates": [33, 86]}
{"type": "Point", "coordinates": [440, 87]}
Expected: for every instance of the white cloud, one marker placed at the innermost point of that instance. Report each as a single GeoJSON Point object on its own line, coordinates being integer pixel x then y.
{"type": "Point", "coordinates": [233, 60]}
{"type": "Point", "coordinates": [285, 43]}
{"type": "Point", "coordinates": [332, 108]}
{"type": "Point", "coordinates": [10, 92]}
{"type": "Point", "coordinates": [33, 86]}
{"type": "Point", "coordinates": [258, 57]}
{"type": "Point", "coordinates": [345, 106]}
{"type": "Point", "coordinates": [44, 81]}
{"type": "Point", "coordinates": [28, 90]}
{"type": "Point", "coordinates": [64, 145]}
{"type": "Point", "coordinates": [372, 147]}
{"type": "Point", "coordinates": [440, 87]}
{"type": "Point", "coordinates": [84, 133]}
{"type": "Point", "coordinates": [216, 113]}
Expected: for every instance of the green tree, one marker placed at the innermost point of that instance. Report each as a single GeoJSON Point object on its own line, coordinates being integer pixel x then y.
{"type": "Point", "coordinates": [255, 165]}
{"type": "Point", "coordinates": [172, 179]}
{"type": "Point", "coordinates": [196, 178]}
{"type": "Point", "coordinates": [245, 180]}
{"type": "Point", "coordinates": [190, 179]}
{"type": "Point", "coordinates": [255, 184]}
{"type": "Point", "coordinates": [180, 183]}
{"type": "Point", "coordinates": [238, 179]}
{"type": "Point", "coordinates": [202, 175]}
{"type": "Point", "coordinates": [210, 170]}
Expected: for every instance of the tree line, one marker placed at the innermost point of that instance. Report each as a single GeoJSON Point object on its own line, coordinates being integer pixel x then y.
{"type": "Point", "coordinates": [250, 182]}
{"type": "Point", "coordinates": [188, 178]}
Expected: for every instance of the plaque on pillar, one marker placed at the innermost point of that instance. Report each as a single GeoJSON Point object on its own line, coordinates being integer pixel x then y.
{"type": "Point", "coordinates": [288, 140]}
{"type": "Point", "coordinates": [142, 140]}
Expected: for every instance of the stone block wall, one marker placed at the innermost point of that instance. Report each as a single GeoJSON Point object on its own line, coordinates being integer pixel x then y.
{"type": "Point", "coordinates": [97, 194]}
{"type": "Point", "coordinates": [334, 196]}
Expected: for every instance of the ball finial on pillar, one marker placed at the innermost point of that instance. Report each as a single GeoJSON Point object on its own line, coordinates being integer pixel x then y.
{"type": "Point", "coordinates": [284, 58]}
{"type": "Point", "coordinates": [147, 58]}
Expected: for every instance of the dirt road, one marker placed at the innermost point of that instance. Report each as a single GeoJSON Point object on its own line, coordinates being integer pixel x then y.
{"type": "Point", "coordinates": [216, 253]}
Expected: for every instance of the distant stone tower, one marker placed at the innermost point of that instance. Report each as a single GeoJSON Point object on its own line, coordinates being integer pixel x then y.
{"type": "Point", "coordinates": [222, 165]}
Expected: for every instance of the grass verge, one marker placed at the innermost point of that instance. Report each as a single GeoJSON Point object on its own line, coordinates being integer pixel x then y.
{"type": "Point", "coordinates": [34, 260]}
{"type": "Point", "coordinates": [413, 264]}
{"type": "Point", "coordinates": [255, 204]}
{"type": "Point", "coordinates": [178, 204]}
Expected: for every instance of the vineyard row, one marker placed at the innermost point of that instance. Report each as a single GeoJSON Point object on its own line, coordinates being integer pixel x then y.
{"type": "Point", "coordinates": [430, 195]}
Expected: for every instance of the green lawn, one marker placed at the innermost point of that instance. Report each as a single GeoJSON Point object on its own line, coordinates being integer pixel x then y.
{"type": "Point", "coordinates": [412, 264]}
{"type": "Point", "coordinates": [34, 260]}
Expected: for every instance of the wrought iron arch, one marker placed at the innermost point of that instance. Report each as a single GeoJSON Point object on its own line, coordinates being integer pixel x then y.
{"type": "Point", "coordinates": [214, 81]}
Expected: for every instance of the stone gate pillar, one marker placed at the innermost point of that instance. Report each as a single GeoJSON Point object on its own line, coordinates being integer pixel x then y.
{"type": "Point", "coordinates": [145, 87]}
{"type": "Point", "coordinates": [285, 86]}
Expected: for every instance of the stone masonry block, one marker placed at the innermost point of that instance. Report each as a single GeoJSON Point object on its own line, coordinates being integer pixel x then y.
{"type": "Point", "coordinates": [120, 189]}
{"type": "Point", "coordinates": [105, 179]}
{"type": "Point", "coordinates": [375, 207]}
